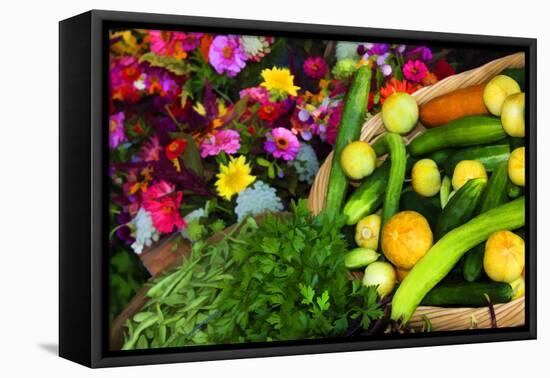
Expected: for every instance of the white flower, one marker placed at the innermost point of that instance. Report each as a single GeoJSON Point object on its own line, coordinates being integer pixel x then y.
{"type": "Point", "coordinates": [347, 50]}
{"type": "Point", "coordinates": [144, 231]}
{"type": "Point", "coordinates": [256, 200]}
{"type": "Point", "coordinates": [306, 163]}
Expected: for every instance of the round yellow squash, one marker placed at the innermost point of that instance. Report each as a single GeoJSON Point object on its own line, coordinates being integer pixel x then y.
{"type": "Point", "coordinates": [504, 258]}
{"type": "Point", "coordinates": [406, 237]}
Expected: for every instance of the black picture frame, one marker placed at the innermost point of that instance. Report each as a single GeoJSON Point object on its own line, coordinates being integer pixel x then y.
{"type": "Point", "coordinates": [83, 274]}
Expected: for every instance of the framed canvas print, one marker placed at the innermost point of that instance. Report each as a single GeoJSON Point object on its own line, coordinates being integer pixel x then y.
{"type": "Point", "coordinates": [234, 188]}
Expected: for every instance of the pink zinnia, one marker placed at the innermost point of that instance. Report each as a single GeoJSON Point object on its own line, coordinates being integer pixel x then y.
{"type": "Point", "coordinates": [228, 141]}
{"type": "Point", "coordinates": [258, 94]}
{"type": "Point", "coordinates": [315, 67]}
{"type": "Point", "coordinates": [116, 130]}
{"type": "Point", "coordinates": [282, 143]}
{"type": "Point", "coordinates": [163, 204]}
{"type": "Point", "coordinates": [415, 70]}
{"type": "Point", "coordinates": [227, 55]}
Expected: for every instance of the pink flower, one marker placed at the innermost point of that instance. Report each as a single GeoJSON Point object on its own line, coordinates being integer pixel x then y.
{"type": "Point", "coordinates": [415, 70]}
{"type": "Point", "coordinates": [168, 43]}
{"type": "Point", "coordinates": [227, 55]}
{"type": "Point", "coordinates": [163, 204]}
{"type": "Point", "coordinates": [282, 143]}
{"type": "Point", "coordinates": [116, 130]}
{"type": "Point", "coordinates": [315, 67]}
{"type": "Point", "coordinates": [258, 94]}
{"type": "Point", "coordinates": [228, 141]}
{"type": "Point", "coordinates": [150, 151]}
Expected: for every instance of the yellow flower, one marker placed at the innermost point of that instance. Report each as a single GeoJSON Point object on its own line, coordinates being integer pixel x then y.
{"type": "Point", "coordinates": [234, 177]}
{"type": "Point", "coordinates": [279, 80]}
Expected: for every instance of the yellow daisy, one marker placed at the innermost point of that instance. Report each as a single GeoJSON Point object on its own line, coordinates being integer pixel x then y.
{"type": "Point", "coordinates": [279, 80]}
{"type": "Point", "coordinates": [234, 177]}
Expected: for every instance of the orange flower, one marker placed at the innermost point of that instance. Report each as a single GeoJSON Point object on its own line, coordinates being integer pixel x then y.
{"type": "Point", "coordinates": [395, 85]}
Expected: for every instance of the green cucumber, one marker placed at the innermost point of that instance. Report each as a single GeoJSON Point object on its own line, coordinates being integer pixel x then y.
{"type": "Point", "coordinates": [394, 145]}
{"type": "Point", "coordinates": [468, 294]}
{"type": "Point", "coordinates": [444, 255]}
{"type": "Point", "coordinates": [445, 191]}
{"type": "Point", "coordinates": [428, 207]}
{"type": "Point", "coordinates": [518, 74]}
{"type": "Point", "coordinates": [461, 207]}
{"type": "Point", "coordinates": [368, 196]}
{"type": "Point", "coordinates": [490, 156]}
{"type": "Point", "coordinates": [349, 130]}
{"type": "Point", "coordinates": [495, 195]}
{"type": "Point", "coordinates": [463, 132]}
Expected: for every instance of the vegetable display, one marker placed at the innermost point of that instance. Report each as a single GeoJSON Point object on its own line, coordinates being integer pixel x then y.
{"type": "Point", "coordinates": [427, 208]}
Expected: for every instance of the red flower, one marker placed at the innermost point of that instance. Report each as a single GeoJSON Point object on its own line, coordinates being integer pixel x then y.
{"type": "Point", "coordinates": [442, 69]}
{"type": "Point", "coordinates": [270, 111]}
{"type": "Point", "coordinates": [163, 203]}
{"type": "Point", "coordinates": [394, 86]}
{"type": "Point", "coordinates": [175, 148]}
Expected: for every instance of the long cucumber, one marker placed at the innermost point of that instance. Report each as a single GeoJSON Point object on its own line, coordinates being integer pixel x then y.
{"type": "Point", "coordinates": [463, 132]}
{"type": "Point", "coordinates": [349, 130]}
{"type": "Point", "coordinates": [468, 294]}
{"type": "Point", "coordinates": [444, 254]}
{"type": "Point", "coordinates": [394, 145]}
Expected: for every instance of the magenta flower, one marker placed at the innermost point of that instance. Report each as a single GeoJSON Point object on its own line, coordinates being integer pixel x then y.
{"type": "Point", "coordinates": [415, 70]}
{"type": "Point", "coordinates": [315, 67]}
{"type": "Point", "coordinates": [116, 130]}
{"type": "Point", "coordinates": [282, 143]}
{"type": "Point", "coordinates": [258, 94]}
{"type": "Point", "coordinates": [227, 55]}
{"type": "Point", "coordinates": [191, 41]}
{"type": "Point", "coordinates": [228, 141]}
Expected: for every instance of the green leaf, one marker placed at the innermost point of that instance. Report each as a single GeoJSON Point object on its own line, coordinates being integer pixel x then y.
{"type": "Point", "coordinates": [174, 65]}
{"type": "Point", "coordinates": [191, 155]}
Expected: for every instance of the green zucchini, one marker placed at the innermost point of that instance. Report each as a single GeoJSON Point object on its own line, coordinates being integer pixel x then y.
{"type": "Point", "coordinates": [461, 207]}
{"type": "Point", "coordinates": [441, 156]}
{"type": "Point", "coordinates": [468, 294]}
{"type": "Point", "coordinates": [518, 74]}
{"type": "Point", "coordinates": [446, 252]}
{"type": "Point", "coordinates": [463, 132]}
{"type": "Point", "coordinates": [428, 207]}
{"type": "Point", "coordinates": [394, 145]}
{"type": "Point", "coordinates": [368, 196]}
{"type": "Point", "coordinates": [349, 130]}
{"type": "Point", "coordinates": [495, 195]}
{"type": "Point", "coordinates": [490, 156]}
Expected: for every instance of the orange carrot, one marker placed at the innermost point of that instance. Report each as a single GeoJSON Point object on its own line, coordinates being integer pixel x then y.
{"type": "Point", "coordinates": [454, 105]}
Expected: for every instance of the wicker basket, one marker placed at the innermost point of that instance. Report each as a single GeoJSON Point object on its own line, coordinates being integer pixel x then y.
{"type": "Point", "coordinates": [510, 314]}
